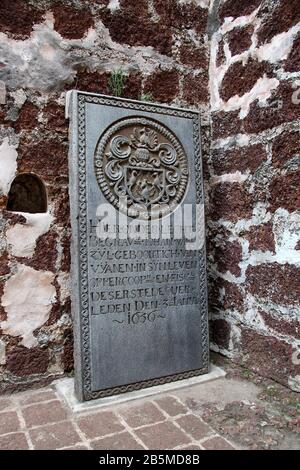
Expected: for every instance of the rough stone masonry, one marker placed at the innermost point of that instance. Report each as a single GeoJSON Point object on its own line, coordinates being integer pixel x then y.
{"type": "Point", "coordinates": [237, 61]}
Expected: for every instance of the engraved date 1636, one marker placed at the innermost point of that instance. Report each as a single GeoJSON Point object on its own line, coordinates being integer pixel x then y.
{"type": "Point", "coordinates": [141, 317]}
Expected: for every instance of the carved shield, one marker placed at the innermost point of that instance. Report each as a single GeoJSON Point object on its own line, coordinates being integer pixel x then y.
{"type": "Point", "coordinates": [145, 185]}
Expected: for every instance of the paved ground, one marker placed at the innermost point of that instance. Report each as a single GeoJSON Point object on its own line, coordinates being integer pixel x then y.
{"type": "Point", "coordinates": [240, 411]}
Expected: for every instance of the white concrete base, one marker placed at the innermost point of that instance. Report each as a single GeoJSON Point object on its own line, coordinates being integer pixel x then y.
{"type": "Point", "coordinates": [65, 388]}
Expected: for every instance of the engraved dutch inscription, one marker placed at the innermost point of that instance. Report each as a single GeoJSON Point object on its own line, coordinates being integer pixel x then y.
{"type": "Point", "coordinates": [139, 294]}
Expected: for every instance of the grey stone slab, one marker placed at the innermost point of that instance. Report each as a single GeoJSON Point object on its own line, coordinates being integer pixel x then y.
{"type": "Point", "coordinates": [65, 388]}
{"type": "Point", "coordinates": [139, 305]}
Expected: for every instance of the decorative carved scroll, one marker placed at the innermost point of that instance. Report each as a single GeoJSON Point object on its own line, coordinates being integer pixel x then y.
{"type": "Point", "coordinates": [142, 162]}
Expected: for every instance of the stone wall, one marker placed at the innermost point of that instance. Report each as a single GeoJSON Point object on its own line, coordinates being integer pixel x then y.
{"type": "Point", "coordinates": [254, 186]}
{"type": "Point", "coordinates": [237, 62]}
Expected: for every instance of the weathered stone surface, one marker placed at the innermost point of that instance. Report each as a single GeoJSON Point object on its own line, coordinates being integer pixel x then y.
{"type": "Point", "coordinates": [240, 39]}
{"type": "Point", "coordinates": [214, 294]}
{"type": "Point", "coordinates": [283, 325]}
{"type": "Point", "coordinates": [268, 356]}
{"type": "Point", "coordinates": [240, 79]}
{"type": "Point", "coordinates": [67, 355]}
{"type": "Point", "coordinates": [2, 311]}
{"type": "Point", "coordinates": [27, 299]}
{"type": "Point", "coordinates": [140, 8]}
{"type": "Point", "coordinates": [205, 166]}
{"type": "Point", "coordinates": [133, 86]}
{"type": "Point", "coordinates": [27, 382]}
{"type": "Point", "coordinates": [22, 237]}
{"type": "Point", "coordinates": [59, 308]}
{"type": "Point", "coordinates": [45, 254]}
{"type": "Point", "coordinates": [195, 89]}
{"type": "Point", "coordinates": [236, 8]}
{"type": "Point", "coordinates": [3, 202]}
{"type": "Point", "coordinates": [129, 27]}
{"type": "Point", "coordinates": [48, 158]}
{"type": "Point", "coordinates": [286, 13]}
{"type": "Point", "coordinates": [110, 318]}
{"type": "Point", "coordinates": [285, 147]}
{"type": "Point", "coordinates": [228, 256]}
{"type": "Point", "coordinates": [220, 332]}
{"type": "Point", "coordinates": [3, 117]}
{"type": "Point", "coordinates": [13, 218]}
{"type": "Point", "coordinates": [179, 16]}
{"type": "Point", "coordinates": [18, 17]}
{"type": "Point", "coordinates": [261, 238]}
{"type": "Point", "coordinates": [225, 124]}
{"type": "Point", "coordinates": [96, 81]}
{"type": "Point", "coordinates": [60, 197]}
{"type": "Point", "coordinates": [55, 115]}
{"type": "Point", "coordinates": [276, 282]}
{"type": "Point", "coordinates": [292, 63]}
{"type": "Point", "coordinates": [230, 201]}
{"type": "Point", "coordinates": [8, 164]}
{"type": "Point", "coordinates": [27, 118]}
{"type": "Point", "coordinates": [22, 361]}
{"type": "Point", "coordinates": [220, 59]}
{"type": "Point", "coordinates": [4, 267]}
{"type": "Point", "coordinates": [38, 64]}
{"type": "Point", "coordinates": [163, 85]}
{"type": "Point", "coordinates": [233, 296]}
{"type": "Point", "coordinates": [71, 23]}
{"type": "Point", "coordinates": [38, 71]}
{"type": "Point", "coordinates": [56, 309]}
{"type": "Point", "coordinates": [279, 108]}
{"type": "Point", "coordinates": [66, 254]}
{"type": "Point", "coordinates": [285, 192]}
{"type": "Point", "coordinates": [239, 159]}
{"type": "Point", "coordinates": [194, 56]}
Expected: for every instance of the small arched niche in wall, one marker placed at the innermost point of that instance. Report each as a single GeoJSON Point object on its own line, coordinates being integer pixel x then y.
{"type": "Point", "coordinates": [27, 194]}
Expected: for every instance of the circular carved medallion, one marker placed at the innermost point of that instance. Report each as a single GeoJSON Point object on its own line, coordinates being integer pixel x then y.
{"type": "Point", "coordinates": [141, 168]}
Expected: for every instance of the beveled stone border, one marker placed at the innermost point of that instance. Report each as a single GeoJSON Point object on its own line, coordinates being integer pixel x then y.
{"type": "Point", "coordinates": [65, 388]}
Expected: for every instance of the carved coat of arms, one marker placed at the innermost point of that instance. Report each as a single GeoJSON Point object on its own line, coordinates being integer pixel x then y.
{"type": "Point", "coordinates": [141, 167]}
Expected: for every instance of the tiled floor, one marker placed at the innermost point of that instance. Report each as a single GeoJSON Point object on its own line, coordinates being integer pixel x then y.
{"type": "Point", "coordinates": [41, 420]}
{"type": "Point", "coordinates": [241, 410]}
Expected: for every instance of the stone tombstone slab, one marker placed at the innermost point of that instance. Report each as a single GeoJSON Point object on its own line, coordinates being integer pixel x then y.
{"type": "Point", "coordinates": [139, 296]}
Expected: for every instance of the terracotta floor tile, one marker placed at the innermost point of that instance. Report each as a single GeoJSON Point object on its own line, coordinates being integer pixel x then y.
{"type": "Point", "coordinates": [171, 406]}
{"type": "Point", "coordinates": [54, 436]}
{"type": "Point", "coordinates": [9, 422]}
{"type": "Point", "coordinates": [14, 441]}
{"type": "Point", "coordinates": [99, 424]}
{"type": "Point", "coordinates": [44, 413]}
{"type": "Point", "coordinates": [194, 426]}
{"type": "Point", "coordinates": [121, 441]}
{"type": "Point", "coordinates": [140, 415]}
{"type": "Point", "coordinates": [162, 436]}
